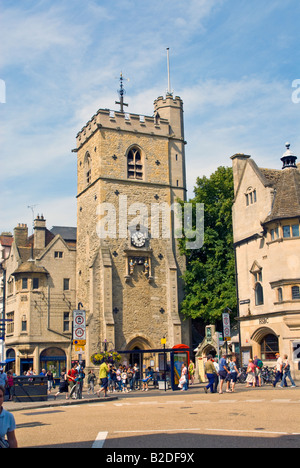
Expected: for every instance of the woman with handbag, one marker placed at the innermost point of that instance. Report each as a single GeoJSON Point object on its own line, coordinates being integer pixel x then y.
{"type": "Point", "coordinates": [251, 377]}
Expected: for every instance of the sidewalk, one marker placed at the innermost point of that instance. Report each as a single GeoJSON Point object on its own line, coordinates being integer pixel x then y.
{"type": "Point", "coordinates": [61, 399]}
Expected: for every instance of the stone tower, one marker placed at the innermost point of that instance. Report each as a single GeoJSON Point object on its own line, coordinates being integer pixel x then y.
{"type": "Point", "coordinates": [131, 169]}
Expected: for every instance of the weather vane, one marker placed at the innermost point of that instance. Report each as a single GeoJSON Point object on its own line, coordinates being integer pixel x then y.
{"type": "Point", "coordinates": [121, 93]}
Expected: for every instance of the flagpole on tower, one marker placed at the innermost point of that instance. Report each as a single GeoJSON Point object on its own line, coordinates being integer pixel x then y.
{"type": "Point", "coordinates": [169, 79]}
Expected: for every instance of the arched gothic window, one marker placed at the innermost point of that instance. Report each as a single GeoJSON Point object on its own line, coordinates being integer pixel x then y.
{"type": "Point", "coordinates": [134, 164]}
{"type": "Point", "coordinates": [269, 347]}
{"type": "Point", "coordinates": [259, 294]}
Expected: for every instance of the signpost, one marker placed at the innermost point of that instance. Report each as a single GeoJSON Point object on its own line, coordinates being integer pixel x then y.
{"type": "Point", "coordinates": [79, 331]}
{"type": "Point", "coordinates": [226, 326]}
{"type": "Point", "coordinates": [79, 327]}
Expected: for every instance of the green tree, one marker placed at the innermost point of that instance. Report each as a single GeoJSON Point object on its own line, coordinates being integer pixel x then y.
{"type": "Point", "coordinates": [210, 275]}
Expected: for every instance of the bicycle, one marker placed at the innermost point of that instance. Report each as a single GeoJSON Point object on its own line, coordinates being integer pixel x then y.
{"type": "Point", "coordinates": [242, 375]}
{"type": "Point", "coordinates": [267, 376]}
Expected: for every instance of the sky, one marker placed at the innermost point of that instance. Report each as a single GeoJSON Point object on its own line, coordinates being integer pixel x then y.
{"type": "Point", "coordinates": [234, 63]}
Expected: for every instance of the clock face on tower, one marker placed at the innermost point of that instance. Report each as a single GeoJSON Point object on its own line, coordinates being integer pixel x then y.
{"type": "Point", "coordinates": [138, 239]}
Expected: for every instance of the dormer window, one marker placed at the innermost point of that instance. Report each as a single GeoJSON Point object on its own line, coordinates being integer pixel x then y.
{"type": "Point", "coordinates": [134, 164]}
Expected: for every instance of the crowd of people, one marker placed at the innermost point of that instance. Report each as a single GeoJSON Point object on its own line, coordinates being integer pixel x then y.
{"type": "Point", "coordinates": [129, 378]}
{"type": "Point", "coordinates": [219, 373]}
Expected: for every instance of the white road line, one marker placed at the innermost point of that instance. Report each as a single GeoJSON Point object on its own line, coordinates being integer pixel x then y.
{"type": "Point", "coordinates": [144, 431]}
{"type": "Point", "coordinates": [247, 431]}
{"type": "Point", "coordinates": [148, 402]}
{"type": "Point", "coordinates": [280, 401]}
{"type": "Point", "coordinates": [226, 401]}
{"type": "Point", "coordinates": [201, 401]}
{"type": "Point", "coordinates": [100, 439]}
{"type": "Point", "coordinates": [254, 401]}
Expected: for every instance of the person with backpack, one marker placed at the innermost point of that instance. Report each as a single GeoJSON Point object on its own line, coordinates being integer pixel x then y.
{"type": "Point", "coordinates": [258, 368]}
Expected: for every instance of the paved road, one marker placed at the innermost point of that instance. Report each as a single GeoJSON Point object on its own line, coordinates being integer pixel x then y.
{"type": "Point", "coordinates": [264, 417]}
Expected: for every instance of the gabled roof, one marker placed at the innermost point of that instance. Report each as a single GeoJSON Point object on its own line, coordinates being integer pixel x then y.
{"type": "Point", "coordinates": [66, 232]}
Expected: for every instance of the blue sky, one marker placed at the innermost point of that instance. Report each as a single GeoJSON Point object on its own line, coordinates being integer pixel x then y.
{"type": "Point", "coordinates": [233, 63]}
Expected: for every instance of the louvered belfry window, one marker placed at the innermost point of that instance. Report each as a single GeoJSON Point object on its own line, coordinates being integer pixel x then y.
{"type": "Point", "coordinates": [134, 164]}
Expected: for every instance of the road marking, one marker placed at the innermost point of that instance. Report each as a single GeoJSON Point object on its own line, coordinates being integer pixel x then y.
{"type": "Point", "coordinates": [100, 439]}
{"type": "Point", "coordinates": [226, 401]}
{"type": "Point", "coordinates": [137, 431]}
{"type": "Point", "coordinates": [201, 401]}
{"type": "Point", "coordinates": [247, 431]}
{"type": "Point", "coordinates": [148, 402]}
{"type": "Point", "coordinates": [280, 401]}
{"type": "Point", "coordinates": [254, 401]}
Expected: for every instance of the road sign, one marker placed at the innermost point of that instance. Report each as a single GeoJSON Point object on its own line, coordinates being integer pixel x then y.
{"type": "Point", "coordinates": [79, 325]}
{"type": "Point", "coordinates": [79, 349]}
{"type": "Point", "coordinates": [226, 326]}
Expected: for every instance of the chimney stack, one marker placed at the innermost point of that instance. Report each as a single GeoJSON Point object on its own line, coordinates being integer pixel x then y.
{"type": "Point", "coordinates": [39, 232]}
{"type": "Point", "coordinates": [21, 235]}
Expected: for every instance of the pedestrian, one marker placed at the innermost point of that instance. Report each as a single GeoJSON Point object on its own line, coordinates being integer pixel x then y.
{"type": "Point", "coordinates": [210, 372]}
{"type": "Point", "coordinates": [30, 372]}
{"type": "Point", "coordinates": [7, 425]}
{"type": "Point", "coordinates": [136, 370]}
{"type": "Point", "coordinates": [147, 379]}
{"type": "Point", "coordinates": [124, 380]}
{"type": "Point", "coordinates": [72, 374]}
{"type": "Point", "coordinates": [223, 371]}
{"type": "Point", "coordinates": [232, 376]}
{"type": "Point", "coordinates": [79, 382]}
{"type": "Point", "coordinates": [119, 378]}
{"type": "Point", "coordinates": [286, 372]}
{"type": "Point", "coordinates": [130, 376]}
{"type": "Point", "coordinates": [91, 382]}
{"type": "Point", "coordinates": [278, 369]}
{"type": "Point", "coordinates": [112, 382]}
{"type": "Point", "coordinates": [3, 377]}
{"type": "Point", "coordinates": [10, 384]}
{"type": "Point", "coordinates": [63, 384]}
{"type": "Point", "coordinates": [192, 371]}
{"type": "Point", "coordinates": [251, 377]}
{"type": "Point", "coordinates": [103, 376]}
{"type": "Point", "coordinates": [258, 368]}
{"type": "Point", "coordinates": [184, 378]}
{"type": "Point", "coordinates": [50, 380]}
{"type": "Point", "coordinates": [216, 365]}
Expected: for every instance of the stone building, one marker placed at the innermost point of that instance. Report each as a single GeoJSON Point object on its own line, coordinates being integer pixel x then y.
{"type": "Point", "coordinates": [266, 216]}
{"type": "Point", "coordinates": [40, 297]}
{"type": "Point", "coordinates": [131, 169]}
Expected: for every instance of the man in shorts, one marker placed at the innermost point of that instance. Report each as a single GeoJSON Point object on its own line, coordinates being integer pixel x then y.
{"type": "Point", "coordinates": [223, 371]}
{"type": "Point", "coordinates": [103, 376]}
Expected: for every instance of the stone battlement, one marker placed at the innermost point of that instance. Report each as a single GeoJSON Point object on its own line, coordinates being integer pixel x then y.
{"type": "Point", "coordinates": [106, 118]}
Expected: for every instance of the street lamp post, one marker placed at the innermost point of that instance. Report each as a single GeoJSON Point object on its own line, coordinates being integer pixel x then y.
{"type": "Point", "coordinates": [2, 312]}
{"type": "Point", "coordinates": [163, 342]}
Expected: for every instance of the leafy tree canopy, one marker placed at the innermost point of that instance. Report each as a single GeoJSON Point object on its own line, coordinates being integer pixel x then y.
{"type": "Point", "coordinates": [210, 275]}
